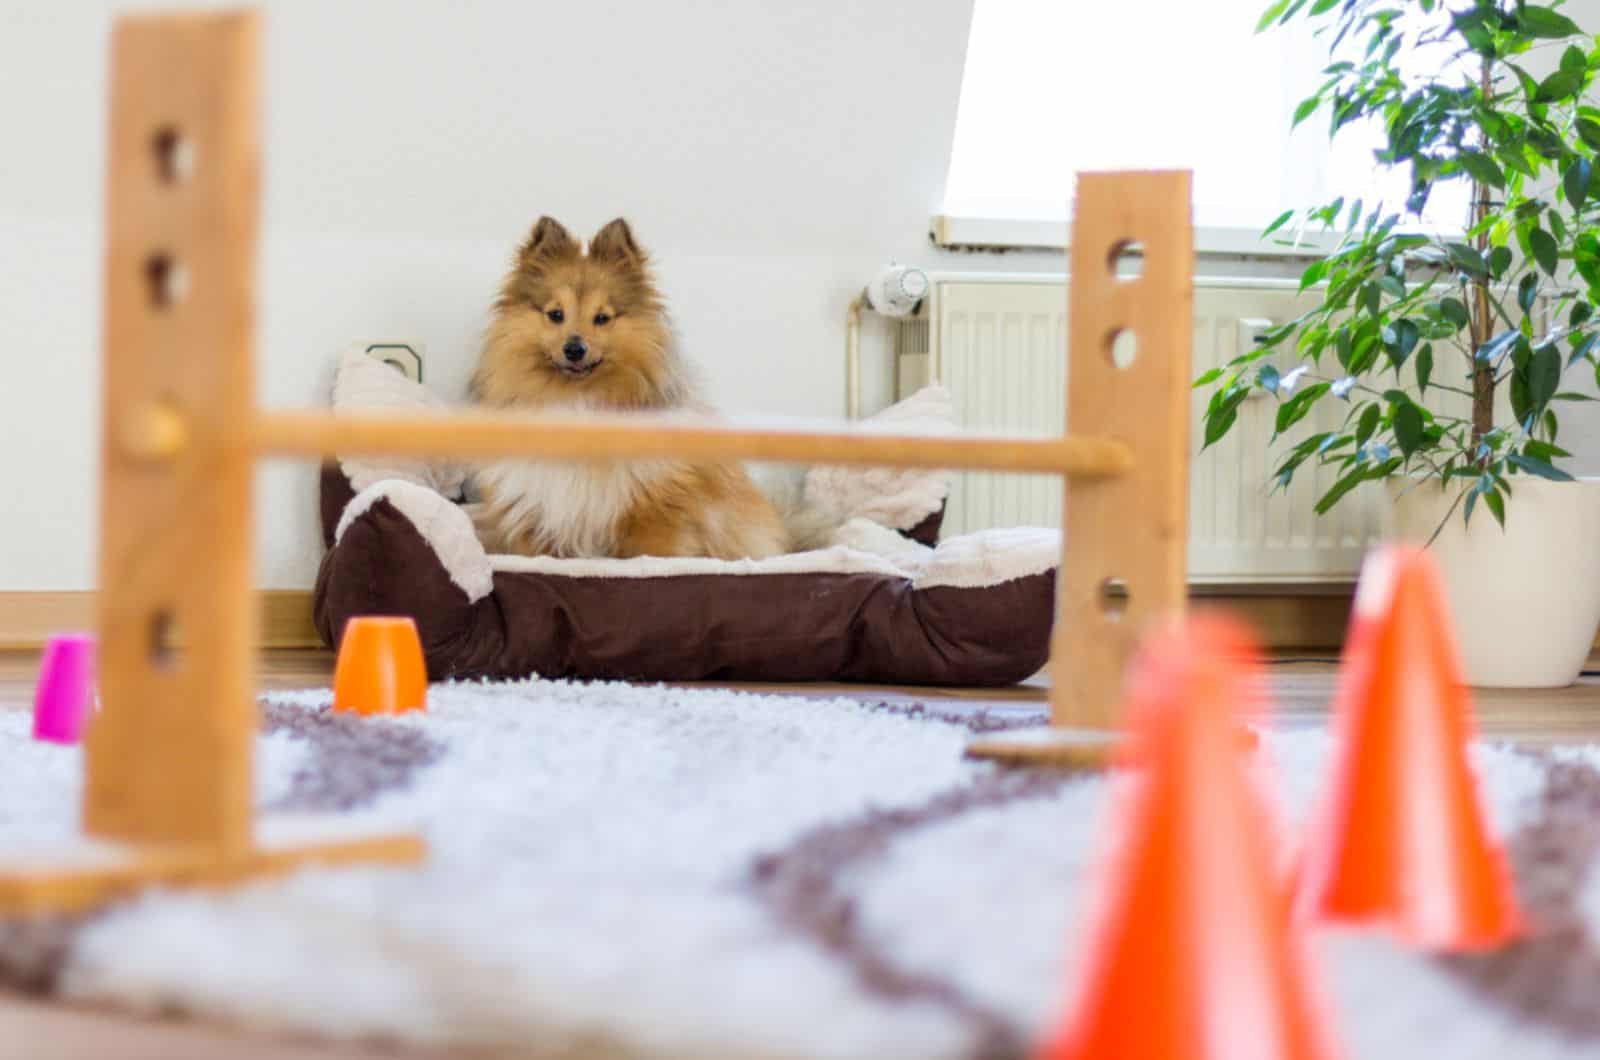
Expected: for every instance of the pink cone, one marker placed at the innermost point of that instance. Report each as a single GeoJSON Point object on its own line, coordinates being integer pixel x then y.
{"type": "Point", "coordinates": [65, 694]}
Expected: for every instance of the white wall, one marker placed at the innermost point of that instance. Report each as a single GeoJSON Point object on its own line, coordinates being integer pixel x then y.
{"type": "Point", "coordinates": [409, 146]}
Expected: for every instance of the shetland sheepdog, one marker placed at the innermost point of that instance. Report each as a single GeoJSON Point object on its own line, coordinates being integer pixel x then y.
{"type": "Point", "coordinates": [577, 330]}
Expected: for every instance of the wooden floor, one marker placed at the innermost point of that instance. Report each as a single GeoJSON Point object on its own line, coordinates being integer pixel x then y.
{"type": "Point", "coordinates": [35, 1031]}
{"type": "Point", "coordinates": [1302, 689]}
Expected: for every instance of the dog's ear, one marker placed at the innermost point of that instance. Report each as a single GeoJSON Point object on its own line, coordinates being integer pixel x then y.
{"type": "Point", "coordinates": [615, 244]}
{"type": "Point", "coordinates": [549, 241]}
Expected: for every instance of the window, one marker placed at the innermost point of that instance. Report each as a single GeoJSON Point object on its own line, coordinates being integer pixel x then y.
{"type": "Point", "coordinates": [1052, 87]}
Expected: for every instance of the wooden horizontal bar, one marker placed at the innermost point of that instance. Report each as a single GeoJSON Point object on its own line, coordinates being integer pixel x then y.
{"type": "Point", "coordinates": [87, 875]}
{"type": "Point", "coordinates": [644, 435]}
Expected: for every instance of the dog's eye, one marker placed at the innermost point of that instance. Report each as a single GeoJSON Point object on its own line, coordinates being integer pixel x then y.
{"type": "Point", "coordinates": [602, 318]}
{"type": "Point", "coordinates": [556, 316]}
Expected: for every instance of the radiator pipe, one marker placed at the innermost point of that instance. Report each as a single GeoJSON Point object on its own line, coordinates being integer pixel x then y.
{"type": "Point", "coordinates": [852, 356]}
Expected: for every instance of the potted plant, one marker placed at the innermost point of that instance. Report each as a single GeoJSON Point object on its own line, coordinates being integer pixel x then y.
{"type": "Point", "coordinates": [1455, 355]}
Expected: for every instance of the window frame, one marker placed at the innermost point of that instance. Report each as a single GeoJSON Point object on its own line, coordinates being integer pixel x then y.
{"type": "Point", "coordinates": [973, 233]}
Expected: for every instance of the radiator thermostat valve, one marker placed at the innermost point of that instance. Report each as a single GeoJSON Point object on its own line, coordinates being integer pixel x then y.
{"type": "Point", "coordinates": [897, 290]}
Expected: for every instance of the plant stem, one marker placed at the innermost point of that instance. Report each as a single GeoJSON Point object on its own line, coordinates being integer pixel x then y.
{"type": "Point", "coordinates": [1483, 380]}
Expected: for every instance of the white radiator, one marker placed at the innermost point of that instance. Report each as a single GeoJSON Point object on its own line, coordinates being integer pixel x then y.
{"type": "Point", "coordinates": [998, 342]}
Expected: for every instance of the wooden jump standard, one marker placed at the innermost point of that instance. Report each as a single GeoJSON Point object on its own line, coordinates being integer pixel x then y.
{"type": "Point", "coordinates": [168, 792]}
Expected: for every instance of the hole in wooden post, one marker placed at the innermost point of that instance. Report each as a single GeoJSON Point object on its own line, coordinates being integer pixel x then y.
{"type": "Point", "coordinates": [166, 280]}
{"type": "Point", "coordinates": [1126, 260]}
{"type": "Point", "coordinates": [163, 640]}
{"type": "Point", "coordinates": [1113, 599]}
{"type": "Point", "coordinates": [174, 155]}
{"type": "Point", "coordinates": [1122, 347]}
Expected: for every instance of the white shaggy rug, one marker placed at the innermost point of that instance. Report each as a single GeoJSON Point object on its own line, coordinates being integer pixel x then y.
{"type": "Point", "coordinates": [705, 873]}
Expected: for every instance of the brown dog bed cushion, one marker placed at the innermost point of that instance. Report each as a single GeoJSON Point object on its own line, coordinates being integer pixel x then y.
{"type": "Point", "coordinates": [877, 605]}
{"type": "Point", "coordinates": [974, 610]}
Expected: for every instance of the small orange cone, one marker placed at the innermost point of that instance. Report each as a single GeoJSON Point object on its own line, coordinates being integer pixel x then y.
{"type": "Point", "coordinates": [380, 668]}
{"type": "Point", "coordinates": [1402, 837]}
{"type": "Point", "coordinates": [1192, 953]}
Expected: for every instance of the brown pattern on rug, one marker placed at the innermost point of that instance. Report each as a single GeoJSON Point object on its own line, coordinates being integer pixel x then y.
{"type": "Point", "coordinates": [33, 950]}
{"type": "Point", "coordinates": [354, 759]}
{"type": "Point", "coordinates": [800, 885]}
{"type": "Point", "coordinates": [979, 720]}
{"type": "Point", "coordinates": [1548, 978]}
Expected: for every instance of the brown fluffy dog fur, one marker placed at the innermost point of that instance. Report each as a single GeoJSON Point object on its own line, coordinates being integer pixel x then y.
{"type": "Point", "coordinates": [576, 331]}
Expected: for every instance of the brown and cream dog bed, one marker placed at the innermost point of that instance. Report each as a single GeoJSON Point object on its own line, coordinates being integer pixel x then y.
{"type": "Point", "coordinates": [883, 601]}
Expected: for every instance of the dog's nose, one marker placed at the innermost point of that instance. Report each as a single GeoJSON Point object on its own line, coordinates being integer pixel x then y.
{"type": "Point", "coordinates": [575, 349]}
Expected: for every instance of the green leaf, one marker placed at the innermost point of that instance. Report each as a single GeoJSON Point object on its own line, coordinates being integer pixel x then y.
{"type": "Point", "coordinates": [1546, 22]}
{"type": "Point", "coordinates": [1535, 466]}
{"type": "Point", "coordinates": [1306, 108]}
{"type": "Point", "coordinates": [1559, 85]}
{"type": "Point", "coordinates": [1573, 59]}
{"type": "Point", "coordinates": [1217, 425]}
{"type": "Point", "coordinates": [1544, 450]}
{"type": "Point", "coordinates": [1589, 132]}
{"type": "Point", "coordinates": [1223, 410]}
{"type": "Point", "coordinates": [1348, 482]}
{"type": "Point", "coordinates": [1497, 506]}
{"type": "Point", "coordinates": [1500, 260]}
{"type": "Point", "coordinates": [1267, 378]}
{"type": "Point", "coordinates": [1314, 272]}
{"type": "Point", "coordinates": [1454, 311]}
{"type": "Point", "coordinates": [1544, 249]}
{"type": "Point", "coordinates": [1586, 256]}
{"type": "Point", "coordinates": [1530, 87]}
{"type": "Point", "coordinates": [1278, 222]}
{"type": "Point", "coordinates": [1408, 428]}
{"type": "Point", "coordinates": [1467, 259]}
{"type": "Point", "coordinates": [1295, 409]}
{"type": "Point", "coordinates": [1272, 14]}
{"type": "Point", "coordinates": [1482, 168]}
{"type": "Point", "coordinates": [1474, 29]}
{"type": "Point", "coordinates": [1207, 378]}
{"type": "Point", "coordinates": [1367, 424]}
{"type": "Point", "coordinates": [1521, 403]}
{"type": "Point", "coordinates": [1401, 338]}
{"type": "Point", "coordinates": [1544, 376]}
{"type": "Point", "coordinates": [1575, 182]}
{"type": "Point", "coordinates": [1424, 367]}
{"type": "Point", "coordinates": [1527, 291]}
{"type": "Point", "coordinates": [1581, 348]}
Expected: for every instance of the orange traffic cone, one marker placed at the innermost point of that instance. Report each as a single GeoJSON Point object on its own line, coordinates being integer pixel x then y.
{"type": "Point", "coordinates": [1192, 954]}
{"type": "Point", "coordinates": [380, 668]}
{"type": "Point", "coordinates": [1402, 838]}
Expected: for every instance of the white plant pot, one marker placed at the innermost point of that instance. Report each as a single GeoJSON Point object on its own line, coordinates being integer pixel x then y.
{"type": "Point", "coordinates": [1525, 601]}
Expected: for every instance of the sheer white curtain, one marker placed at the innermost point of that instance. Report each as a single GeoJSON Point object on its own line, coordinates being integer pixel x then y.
{"type": "Point", "coordinates": [1055, 86]}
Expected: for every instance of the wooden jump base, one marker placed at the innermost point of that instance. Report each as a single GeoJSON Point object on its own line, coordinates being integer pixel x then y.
{"type": "Point", "coordinates": [168, 768]}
